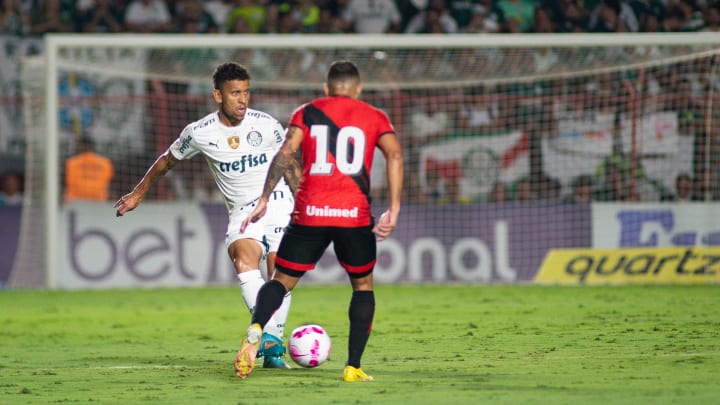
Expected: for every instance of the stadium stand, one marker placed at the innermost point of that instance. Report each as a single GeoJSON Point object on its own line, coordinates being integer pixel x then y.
{"type": "Point", "coordinates": [541, 107]}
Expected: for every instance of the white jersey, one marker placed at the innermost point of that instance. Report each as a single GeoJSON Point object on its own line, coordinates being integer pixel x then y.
{"type": "Point", "coordinates": [239, 156]}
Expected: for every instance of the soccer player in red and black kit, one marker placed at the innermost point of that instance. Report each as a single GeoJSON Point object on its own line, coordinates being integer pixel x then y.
{"type": "Point", "coordinates": [336, 137]}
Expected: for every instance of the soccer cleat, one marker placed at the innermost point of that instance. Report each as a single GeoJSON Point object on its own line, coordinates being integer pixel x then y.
{"type": "Point", "coordinates": [271, 346]}
{"type": "Point", "coordinates": [275, 362]}
{"type": "Point", "coordinates": [245, 359]}
{"type": "Point", "coordinates": [352, 374]}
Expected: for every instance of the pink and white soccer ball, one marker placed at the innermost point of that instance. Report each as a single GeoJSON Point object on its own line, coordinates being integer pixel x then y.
{"type": "Point", "coordinates": [309, 345]}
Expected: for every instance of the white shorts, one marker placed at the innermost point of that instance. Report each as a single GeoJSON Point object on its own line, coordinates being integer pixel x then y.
{"type": "Point", "coordinates": [254, 230]}
{"type": "Point", "coordinates": [277, 217]}
{"type": "Point", "coordinates": [269, 229]}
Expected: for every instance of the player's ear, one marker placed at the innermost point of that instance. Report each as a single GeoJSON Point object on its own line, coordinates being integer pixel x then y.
{"type": "Point", "coordinates": [217, 96]}
{"type": "Point", "coordinates": [358, 90]}
{"type": "Point", "coordinates": [326, 89]}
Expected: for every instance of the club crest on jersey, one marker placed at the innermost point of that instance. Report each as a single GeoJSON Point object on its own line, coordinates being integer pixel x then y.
{"type": "Point", "coordinates": [254, 138]}
{"type": "Point", "coordinates": [233, 141]}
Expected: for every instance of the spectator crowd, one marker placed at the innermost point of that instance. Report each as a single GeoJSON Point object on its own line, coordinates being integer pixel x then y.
{"type": "Point", "coordinates": [478, 109]}
{"type": "Point", "coordinates": [36, 17]}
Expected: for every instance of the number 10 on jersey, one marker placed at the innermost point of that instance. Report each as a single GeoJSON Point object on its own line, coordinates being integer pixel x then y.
{"type": "Point", "coordinates": [348, 163]}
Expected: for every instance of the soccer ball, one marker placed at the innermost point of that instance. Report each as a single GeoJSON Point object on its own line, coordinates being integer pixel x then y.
{"type": "Point", "coordinates": [309, 345]}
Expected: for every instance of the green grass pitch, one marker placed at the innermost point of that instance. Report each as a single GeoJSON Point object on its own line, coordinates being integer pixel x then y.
{"type": "Point", "coordinates": [430, 345]}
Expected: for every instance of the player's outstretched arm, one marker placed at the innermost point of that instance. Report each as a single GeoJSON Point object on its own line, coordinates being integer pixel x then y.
{"type": "Point", "coordinates": [131, 200]}
{"type": "Point", "coordinates": [390, 147]}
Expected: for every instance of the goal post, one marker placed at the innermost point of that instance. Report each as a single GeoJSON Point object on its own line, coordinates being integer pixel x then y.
{"type": "Point", "coordinates": [473, 112]}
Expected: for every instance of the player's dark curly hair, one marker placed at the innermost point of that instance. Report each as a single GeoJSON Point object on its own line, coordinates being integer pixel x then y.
{"type": "Point", "coordinates": [229, 71]}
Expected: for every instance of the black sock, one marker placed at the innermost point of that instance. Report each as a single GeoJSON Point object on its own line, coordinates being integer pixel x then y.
{"type": "Point", "coordinates": [361, 313]}
{"type": "Point", "coordinates": [268, 301]}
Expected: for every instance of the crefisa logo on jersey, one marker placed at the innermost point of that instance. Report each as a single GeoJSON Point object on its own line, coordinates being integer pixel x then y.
{"type": "Point", "coordinates": [254, 138]}
{"type": "Point", "coordinates": [183, 143]}
{"type": "Point", "coordinates": [244, 163]}
{"type": "Point", "coordinates": [233, 141]}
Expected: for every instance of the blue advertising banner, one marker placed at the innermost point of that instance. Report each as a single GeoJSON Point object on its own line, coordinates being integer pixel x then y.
{"type": "Point", "coordinates": [480, 243]}
{"type": "Point", "coordinates": [9, 231]}
{"type": "Point", "coordinates": [182, 244]}
{"type": "Point", "coordinates": [621, 225]}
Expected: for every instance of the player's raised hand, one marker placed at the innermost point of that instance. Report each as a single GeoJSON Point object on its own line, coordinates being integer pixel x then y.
{"type": "Point", "coordinates": [255, 215]}
{"type": "Point", "coordinates": [127, 203]}
{"type": "Point", "coordinates": [385, 225]}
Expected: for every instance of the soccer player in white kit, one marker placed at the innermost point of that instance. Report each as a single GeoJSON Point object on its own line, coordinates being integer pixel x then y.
{"type": "Point", "coordinates": [238, 144]}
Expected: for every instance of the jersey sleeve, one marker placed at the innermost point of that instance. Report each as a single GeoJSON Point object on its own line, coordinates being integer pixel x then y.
{"type": "Point", "coordinates": [296, 119]}
{"type": "Point", "coordinates": [185, 146]}
{"type": "Point", "coordinates": [384, 124]}
{"type": "Point", "coordinates": [278, 135]}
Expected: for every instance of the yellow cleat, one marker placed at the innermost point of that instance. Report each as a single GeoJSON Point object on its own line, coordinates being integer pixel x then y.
{"type": "Point", "coordinates": [245, 359]}
{"type": "Point", "coordinates": [352, 374]}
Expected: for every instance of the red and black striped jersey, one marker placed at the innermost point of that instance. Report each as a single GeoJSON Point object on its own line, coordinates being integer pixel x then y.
{"type": "Point", "coordinates": [339, 139]}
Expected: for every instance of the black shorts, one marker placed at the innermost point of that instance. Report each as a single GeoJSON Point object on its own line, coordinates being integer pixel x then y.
{"type": "Point", "coordinates": [302, 247]}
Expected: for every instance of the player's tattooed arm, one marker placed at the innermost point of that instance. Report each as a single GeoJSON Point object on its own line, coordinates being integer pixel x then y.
{"type": "Point", "coordinates": [285, 164]}
{"type": "Point", "coordinates": [294, 175]}
{"type": "Point", "coordinates": [276, 171]}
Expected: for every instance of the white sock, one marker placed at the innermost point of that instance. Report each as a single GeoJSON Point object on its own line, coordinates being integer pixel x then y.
{"type": "Point", "coordinates": [250, 283]}
{"type": "Point", "coordinates": [276, 324]}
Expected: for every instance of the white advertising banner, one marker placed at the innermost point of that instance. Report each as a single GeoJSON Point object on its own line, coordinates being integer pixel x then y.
{"type": "Point", "coordinates": [616, 225]}
{"type": "Point", "coordinates": [167, 244]}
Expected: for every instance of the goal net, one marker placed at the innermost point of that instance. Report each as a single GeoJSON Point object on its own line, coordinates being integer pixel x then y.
{"type": "Point", "coordinates": [507, 140]}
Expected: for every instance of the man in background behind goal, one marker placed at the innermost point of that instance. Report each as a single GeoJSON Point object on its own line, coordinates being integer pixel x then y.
{"type": "Point", "coordinates": [87, 173]}
{"type": "Point", "coordinates": [336, 137]}
{"type": "Point", "coordinates": [238, 144]}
